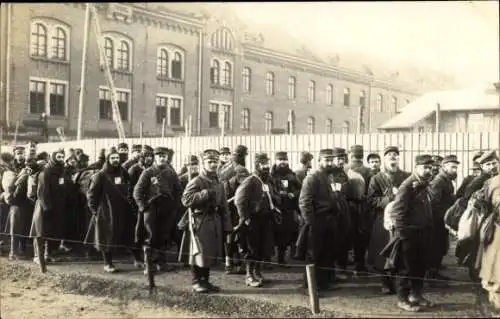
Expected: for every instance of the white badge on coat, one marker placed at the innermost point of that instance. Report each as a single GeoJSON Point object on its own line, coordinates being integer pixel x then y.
{"type": "Point", "coordinates": [265, 188]}
{"type": "Point", "coordinates": [61, 180]}
{"type": "Point", "coordinates": [336, 187]}
{"type": "Point", "coordinates": [394, 190]}
{"type": "Point", "coordinates": [118, 180]}
{"type": "Point", "coordinates": [284, 183]}
{"type": "Point", "coordinates": [154, 180]}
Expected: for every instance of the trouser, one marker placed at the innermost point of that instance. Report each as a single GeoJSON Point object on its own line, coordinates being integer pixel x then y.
{"type": "Point", "coordinates": [157, 228]}
{"type": "Point", "coordinates": [200, 274]}
{"type": "Point", "coordinates": [361, 242]}
{"type": "Point", "coordinates": [413, 263]}
{"type": "Point", "coordinates": [231, 251]}
{"type": "Point", "coordinates": [18, 229]}
{"type": "Point", "coordinates": [108, 258]}
{"type": "Point", "coordinates": [48, 246]}
{"type": "Point", "coordinates": [136, 252]}
{"type": "Point", "coordinates": [388, 281]}
{"type": "Point", "coordinates": [259, 233]}
{"type": "Point", "coordinates": [440, 241]}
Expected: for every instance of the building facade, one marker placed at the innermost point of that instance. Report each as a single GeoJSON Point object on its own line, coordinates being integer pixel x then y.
{"type": "Point", "coordinates": [169, 67]}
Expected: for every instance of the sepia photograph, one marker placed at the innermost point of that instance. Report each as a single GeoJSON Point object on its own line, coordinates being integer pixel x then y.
{"type": "Point", "coordinates": [250, 159]}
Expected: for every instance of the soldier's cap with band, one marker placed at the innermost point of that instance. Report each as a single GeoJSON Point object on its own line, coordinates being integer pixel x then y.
{"type": "Point", "coordinates": [357, 151]}
{"type": "Point", "coordinates": [281, 156]}
{"type": "Point", "coordinates": [477, 155]}
{"type": "Point", "coordinates": [136, 148]}
{"type": "Point", "coordinates": [488, 157]}
{"type": "Point", "coordinates": [193, 160]}
{"type": "Point", "coordinates": [18, 149]}
{"type": "Point", "coordinates": [339, 152]}
{"type": "Point", "coordinates": [225, 151]}
{"type": "Point", "coordinates": [146, 149]}
{"type": "Point", "coordinates": [122, 145]}
{"type": "Point", "coordinates": [389, 149]}
{"type": "Point", "coordinates": [423, 159]}
{"type": "Point", "coordinates": [210, 154]}
{"type": "Point", "coordinates": [305, 157]}
{"type": "Point", "coordinates": [241, 150]}
{"type": "Point", "coordinates": [372, 155]}
{"type": "Point", "coordinates": [326, 152]}
{"type": "Point", "coordinates": [450, 159]}
{"type": "Point", "coordinates": [437, 159]}
{"type": "Point", "coordinates": [261, 158]}
{"type": "Point", "coordinates": [161, 151]}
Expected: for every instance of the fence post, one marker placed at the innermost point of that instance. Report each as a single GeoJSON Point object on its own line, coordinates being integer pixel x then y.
{"type": "Point", "coordinates": [311, 285]}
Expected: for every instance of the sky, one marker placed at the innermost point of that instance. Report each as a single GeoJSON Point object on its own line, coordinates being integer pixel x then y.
{"type": "Point", "coordinates": [457, 37]}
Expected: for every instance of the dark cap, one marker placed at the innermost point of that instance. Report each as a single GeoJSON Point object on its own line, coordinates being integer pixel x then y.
{"type": "Point", "coordinates": [389, 149]}
{"type": "Point", "coordinates": [136, 148]}
{"type": "Point", "coordinates": [42, 156]}
{"type": "Point", "coordinates": [372, 155]}
{"type": "Point", "coordinates": [326, 152]}
{"type": "Point", "coordinates": [122, 145]}
{"type": "Point", "coordinates": [84, 157]}
{"type": "Point", "coordinates": [146, 149]}
{"type": "Point", "coordinates": [450, 159]}
{"type": "Point", "coordinates": [475, 166]}
{"type": "Point", "coordinates": [477, 156]}
{"type": "Point", "coordinates": [225, 150]}
{"type": "Point", "coordinates": [210, 154]}
{"type": "Point", "coordinates": [339, 152]}
{"type": "Point", "coordinates": [281, 156]}
{"type": "Point", "coordinates": [161, 151]}
{"type": "Point", "coordinates": [423, 160]}
{"type": "Point", "coordinates": [487, 157]}
{"type": "Point", "coordinates": [112, 150]}
{"type": "Point", "coordinates": [437, 159]}
{"type": "Point", "coordinates": [19, 148]}
{"type": "Point", "coordinates": [193, 160]}
{"type": "Point", "coordinates": [241, 150]}
{"type": "Point", "coordinates": [261, 158]}
{"type": "Point", "coordinates": [357, 151]}
{"type": "Point", "coordinates": [305, 157]}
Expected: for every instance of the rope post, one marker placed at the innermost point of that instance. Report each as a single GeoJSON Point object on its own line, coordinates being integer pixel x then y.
{"type": "Point", "coordinates": [313, 292]}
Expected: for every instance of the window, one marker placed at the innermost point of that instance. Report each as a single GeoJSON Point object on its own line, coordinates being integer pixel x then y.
{"type": "Point", "coordinates": [161, 109]}
{"type": "Point", "coordinates": [395, 104]}
{"type": "Point", "coordinates": [347, 97]}
{"type": "Point", "coordinates": [222, 39]}
{"type": "Point", "coordinates": [345, 127]}
{"type": "Point", "coordinates": [109, 51]}
{"type": "Point", "coordinates": [291, 87]}
{"type": "Point", "coordinates": [245, 119]}
{"type": "Point", "coordinates": [268, 122]}
{"type": "Point", "coordinates": [177, 66]}
{"type": "Point", "coordinates": [270, 83]}
{"type": "Point", "coordinates": [226, 74]}
{"type": "Point", "coordinates": [38, 40]}
{"type": "Point", "coordinates": [162, 63]}
{"type": "Point", "coordinates": [290, 127]}
{"type": "Point", "coordinates": [329, 94]}
{"type": "Point", "coordinates": [175, 111]}
{"type": "Point", "coordinates": [227, 116]}
{"type": "Point", "coordinates": [311, 92]}
{"type": "Point", "coordinates": [362, 98]}
{"type": "Point", "coordinates": [213, 115]}
{"type": "Point", "coordinates": [106, 108]}
{"type": "Point", "coordinates": [247, 79]}
{"type": "Point", "coordinates": [57, 99]}
{"type": "Point", "coordinates": [311, 123]}
{"type": "Point", "coordinates": [329, 126]}
{"type": "Point", "coordinates": [215, 72]}
{"type": "Point", "coordinates": [123, 56]}
{"type": "Point", "coordinates": [48, 96]}
{"type": "Point", "coordinates": [59, 44]}
{"type": "Point", "coordinates": [37, 97]}
{"type": "Point", "coordinates": [380, 103]}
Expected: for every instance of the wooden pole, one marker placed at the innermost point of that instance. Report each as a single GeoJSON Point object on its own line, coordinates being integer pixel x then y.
{"type": "Point", "coordinates": [313, 292]}
{"type": "Point", "coordinates": [79, 134]}
{"type": "Point", "coordinates": [438, 117]}
{"type": "Point", "coordinates": [163, 127]}
{"type": "Point", "coordinates": [15, 133]}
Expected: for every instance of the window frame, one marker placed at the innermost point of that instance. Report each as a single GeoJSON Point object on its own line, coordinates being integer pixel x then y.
{"type": "Point", "coordinates": [330, 95]}
{"type": "Point", "coordinates": [51, 26]}
{"type": "Point", "coordinates": [215, 79]}
{"type": "Point", "coordinates": [169, 107]}
{"type": "Point", "coordinates": [311, 92]}
{"type": "Point", "coordinates": [246, 78]}
{"type": "Point", "coordinates": [48, 82]}
{"type": "Point", "coordinates": [270, 80]}
{"type": "Point", "coordinates": [293, 87]}
{"type": "Point", "coordinates": [268, 130]}
{"type": "Point", "coordinates": [123, 90]}
{"type": "Point", "coordinates": [311, 125]}
{"type": "Point", "coordinates": [245, 119]}
{"type": "Point", "coordinates": [220, 105]}
{"type": "Point", "coordinates": [347, 97]}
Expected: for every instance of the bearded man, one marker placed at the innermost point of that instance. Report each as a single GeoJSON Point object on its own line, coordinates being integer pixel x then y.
{"type": "Point", "coordinates": [373, 160]}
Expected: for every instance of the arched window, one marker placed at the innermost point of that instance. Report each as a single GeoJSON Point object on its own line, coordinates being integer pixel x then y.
{"type": "Point", "coordinates": [245, 119]}
{"type": "Point", "coordinates": [270, 83]}
{"type": "Point", "coordinates": [311, 125]}
{"type": "Point", "coordinates": [38, 40]}
{"type": "Point", "coordinates": [345, 127]}
{"type": "Point", "coordinates": [59, 44]}
{"type": "Point", "coordinates": [215, 72]}
{"type": "Point", "coordinates": [247, 79]}
{"type": "Point", "coordinates": [109, 51]}
{"type": "Point", "coordinates": [177, 66]}
{"type": "Point", "coordinates": [222, 39]}
{"type": "Point", "coordinates": [227, 71]}
{"type": "Point", "coordinates": [362, 98]}
{"type": "Point", "coordinates": [268, 122]}
{"type": "Point", "coordinates": [123, 62]}
{"type": "Point", "coordinates": [311, 92]}
{"type": "Point", "coordinates": [329, 94]}
{"type": "Point", "coordinates": [162, 63]}
{"type": "Point", "coordinates": [291, 87]}
{"type": "Point", "coordinates": [380, 103]}
{"type": "Point", "coordinates": [347, 97]}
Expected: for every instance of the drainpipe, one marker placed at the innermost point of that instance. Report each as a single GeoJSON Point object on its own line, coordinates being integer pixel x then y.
{"type": "Point", "coordinates": [200, 62]}
{"type": "Point", "coordinates": [8, 65]}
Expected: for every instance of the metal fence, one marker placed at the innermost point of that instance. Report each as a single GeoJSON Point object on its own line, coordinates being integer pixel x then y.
{"type": "Point", "coordinates": [464, 145]}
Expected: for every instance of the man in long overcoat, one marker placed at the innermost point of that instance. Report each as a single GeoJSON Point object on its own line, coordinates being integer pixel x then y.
{"type": "Point", "coordinates": [209, 218]}
{"type": "Point", "coordinates": [108, 199]}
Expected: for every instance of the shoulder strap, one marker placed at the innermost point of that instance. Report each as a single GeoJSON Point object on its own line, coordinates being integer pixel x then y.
{"type": "Point", "coordinates": [271, 205]}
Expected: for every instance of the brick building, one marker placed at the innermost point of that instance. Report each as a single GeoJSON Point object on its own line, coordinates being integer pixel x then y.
{"type": "Point", "coordinates": [168, 62]}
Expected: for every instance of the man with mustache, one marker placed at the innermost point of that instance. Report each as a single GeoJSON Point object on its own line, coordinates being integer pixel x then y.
{"type": "Point", "coordinates": [437, 165]}
{"type": "Point", "coordinates": [123, 152]}
{"type": "Point", "coordinates": [108, 199]}
{"type": "Point", "coordinates": [305, 162]}
{"type": "Point", "coordinates": [373, 160]}
{"type": "Point", "coordinates": [288, 188]}
{"type": "Point", "coordinates": [255, 200]}
{"type": "Point", "coordinates": [381, 191]}
{"type": "Point", "coordinates": [412, 235]}
{"type": "Point", "coordinates": [489, 168]}
{"type": "Point", "coordinates": [442, 197]}
{"type": "Point", "coordinates": [136, 155]}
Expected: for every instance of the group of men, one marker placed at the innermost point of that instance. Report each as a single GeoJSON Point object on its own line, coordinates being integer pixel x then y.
{"type": "Point", "coordinates": [216, 208]}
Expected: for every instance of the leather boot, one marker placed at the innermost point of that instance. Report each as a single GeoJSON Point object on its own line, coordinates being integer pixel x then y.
{"type": "Point", "coordinates": [250, 280]}
{"type": "Point", "coordinates": [257, 273]}
{"type": "Point", "coordinates": [148, 261]}
{"type": "Point", "coordinates": [14, 244]}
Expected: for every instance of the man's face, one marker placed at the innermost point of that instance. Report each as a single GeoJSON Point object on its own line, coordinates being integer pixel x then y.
{"type": "Point", "coordinates": [136, 154]}
{"type": "Point", "coordinates": [72, 162]}
{"type": "Point", "coordinates": [19, 157]}
{"type": "Point", "coordinates": [161, 159]}
{"type": "Point", "coordinates": [60, 158]}
{"type": "Point", "coordinates": [490, 167]}
{"type": "Point", "coordinates": [326, 162]}
{"type": "Point", "coordinates": [148, 160]}
{"type": "Point", "coordinates": [114, 160]}
{"type": "Point", "coordinates": [338, 161]}
{"type": "Point", "coordinates": [195, 169]}
{"type": "Point", "coordinates": [424, 171]}
{"type": "Point", "coordinates": [123, 150]}
{"type": "Point", "coordinates": [224, 157]}
{"type": "Point", "coordinates": [374, 163]}
{"type": "Point", "coordinates": [210, 165]}
{"type": "Point", "coordinates": [264, 167]}
{"type": "Point", "coordinates": [450, 169]}
{"type": "Point", "coordinates": [282, 163]}
{"type": "Point", "coordinates": [391, 160]}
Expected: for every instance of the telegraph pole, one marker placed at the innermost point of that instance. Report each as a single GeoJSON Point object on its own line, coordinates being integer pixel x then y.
{"type": "Point", "coordinates": [79, 133]}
